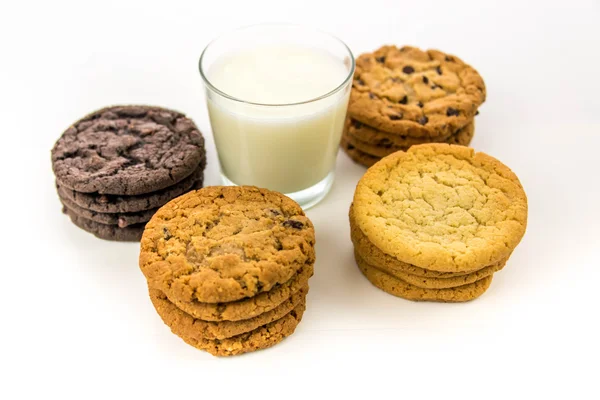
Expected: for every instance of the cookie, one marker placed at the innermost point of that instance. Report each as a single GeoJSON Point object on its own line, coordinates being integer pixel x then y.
{"type": "Point", "coordinates": [222, 244]}
{"type": "Point", "coordinates": [127, 150]}
{"type": "Point", "coordinates": [250, 307]}
{"type": "Point", "coordinates": [437, 283]}
{"type": "Point", "coordinates": [378, 258]}
{"type": "Point", "coordinates": [356, 155]}
{"type": "Point", "coordinates": [106, 203]}
{"type": "Point", "coordinates": [200, 329]}
{"type": "Point", "coordinates": [462, 137]}
{"type": "Point", "coordinates": [400, 288]}
{"type": "Point", "coordinates": [121, 220]}
{"type": "Point", "coordinates": [368, 134]}
{"type": "Point", "coordinates": [131, 233]}
{"type": "Point", "coordinates": [441, 207]}
{"type": "Point", "coordinates": [414, 93]}
{"type": "Point", "coordinates": [260, 338]}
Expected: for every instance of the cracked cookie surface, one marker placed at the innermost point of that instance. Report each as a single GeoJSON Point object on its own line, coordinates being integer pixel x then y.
{"type": "Point", "coordinates": [196, 328]}
{"type": "Point", "coordinates": [127, 150]}
{"type": "Point", "coordinates": [441, 207]}
{"type": "Point", "coordinates": [414, 93]}
{"type": "Point", "coordinates": [222, 244]}
{"type": "Point", "coordinates": [374, 256]}
{"type": "Point", "coordinates": [400, 288]}
{"type": "Point", "coordinates": [106, 203]}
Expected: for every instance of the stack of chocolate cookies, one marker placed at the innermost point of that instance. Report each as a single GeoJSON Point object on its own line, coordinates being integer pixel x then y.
{"type": "Point", "coordinates": [405, 96]}
{"type": "Point", "coordinates": [228, 267]}
{"type": "Point", "coordinates": [115, 167]}
{"type": "Point", "coordinates": [436, 222]}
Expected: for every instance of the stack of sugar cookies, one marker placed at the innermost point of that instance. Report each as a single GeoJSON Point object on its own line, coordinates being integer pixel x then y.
{"type": "Point", "coordinates": [436, 222]}
{"type": "Point", "coordinates": [116, 166]}
{"type": "Point", "coordinates": [405, 96]}
{"type": "Point", "coordinates": [228, 267]}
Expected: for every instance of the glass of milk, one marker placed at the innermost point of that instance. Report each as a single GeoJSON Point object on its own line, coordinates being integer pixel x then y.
{"type": "Point", "coordinates": [277, 97]}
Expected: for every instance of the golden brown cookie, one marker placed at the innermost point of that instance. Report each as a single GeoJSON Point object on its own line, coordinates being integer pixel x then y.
{"type": "Point", "coordinates": [375, 256]}
{"type": "Point", "coordinates": [356, 155]}
{"type": "Point", "coordinates": [384, 148]}
{"type": "Point", "coordinates": [192, 327]}
{"type": "Point", "coordinates": [222, 244]}
{"type": "Point", "coordinates": [437, 283]}
{"type": "Point", "coordinates": [400, 288]}
{"type": "Point", "coordinates": [250, 307]}
{"type": "Point", "coordinates": [414, 93]}
{"type": "Point", "coordinates": [441, 207]}
{"type": "Point", "coordinates": [260, 338]}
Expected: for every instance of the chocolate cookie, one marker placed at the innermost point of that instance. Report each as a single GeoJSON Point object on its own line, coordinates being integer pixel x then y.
{"type": "Point", "coordinates": [121, 220]}
{"type": "Point", "coordinates": [414, 93]}
{"type": "Point", "coordinates": [127, 150]}
{"type": "Point", "coordinates": [107, 203]}
{"type": "Point", "coordinates": [363, 139]}
{"type": "Point", "coordinates": [222, 244]}
{"type": "Point", "coordinates": [400, 288]}
{"type": "Point", "coordinates": [193, 327]}
{"type": "Point", "coordinates": [250, 307]}
{"type": "Point", "coordinates": [441, 207]}
{"type": "Point", "coordinates": [260, 338]}
{"type": "Point", "coordinates": [131, 233]}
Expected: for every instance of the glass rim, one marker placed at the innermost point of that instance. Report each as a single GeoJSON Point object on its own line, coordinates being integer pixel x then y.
{"type": "Point", "coordinates": [297, 26]}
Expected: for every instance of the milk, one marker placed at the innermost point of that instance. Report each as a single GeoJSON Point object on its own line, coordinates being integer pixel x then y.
{"type": "Point", "coordinates": [287, 148]}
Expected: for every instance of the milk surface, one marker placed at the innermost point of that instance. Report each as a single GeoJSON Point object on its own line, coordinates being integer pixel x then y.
{"type": "Point", "coordinates": [280, 147]}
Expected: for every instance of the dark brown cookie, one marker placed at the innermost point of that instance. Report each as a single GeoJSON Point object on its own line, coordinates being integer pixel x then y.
{"type": "Point", "coordinates": [131, 233]}
{"type": "Point", "coordinates": [106, 203]}
{"type": "Point", "coordinates": [415, 93]}
{"type": "Point", "coordinates": [127, 150]}
{"type": "Point", "coordinates": [122, 220]}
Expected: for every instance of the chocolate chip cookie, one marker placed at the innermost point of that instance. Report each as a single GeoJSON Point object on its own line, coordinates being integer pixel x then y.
{"type": "Point", "coordinates": [127, 150]}
{"type": "Point", "coordinates": [379, 144]}
{"type": "Point", "coordinates": [415, 93]}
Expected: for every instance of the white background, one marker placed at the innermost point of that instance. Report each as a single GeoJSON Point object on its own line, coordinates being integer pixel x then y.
{"type": "Point", "coordinates": [75, 318]}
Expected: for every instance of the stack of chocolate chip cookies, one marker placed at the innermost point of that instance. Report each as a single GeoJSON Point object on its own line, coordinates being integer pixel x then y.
{"type": "Point", "coordinates": [405, 96]}
{"type": "Point", "coordinates": [436, 222]}
{"type": "Point", "coordinates": [115, 167]}
{"type": "Point", "coordinates": [228, 267]}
